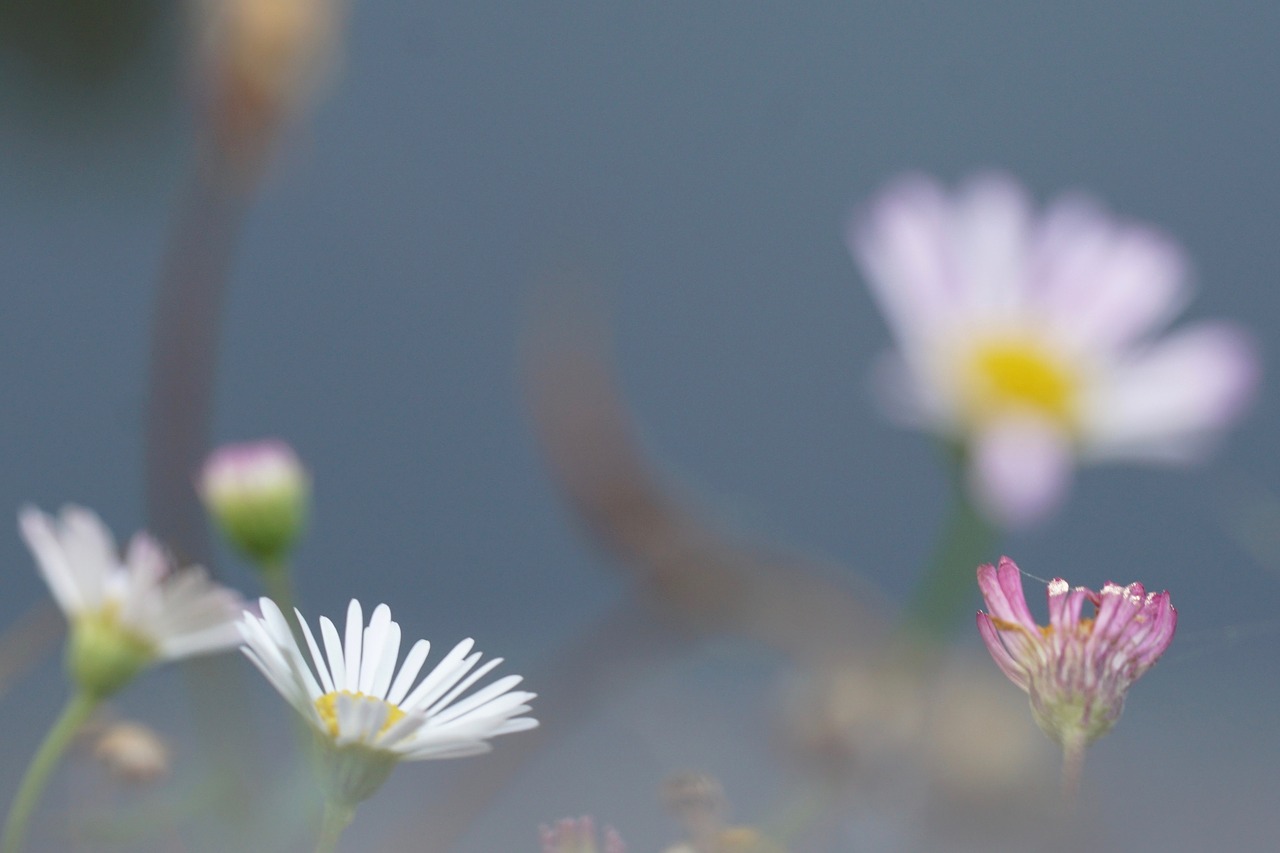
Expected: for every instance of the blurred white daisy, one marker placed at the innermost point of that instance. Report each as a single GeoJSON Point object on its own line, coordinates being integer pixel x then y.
{"type": "Point", "coordinates": [1027, 337]}
{"type": "Point", "coordinates": [125, 613]}
{"type": "Point", "coordinates": [366, 716]}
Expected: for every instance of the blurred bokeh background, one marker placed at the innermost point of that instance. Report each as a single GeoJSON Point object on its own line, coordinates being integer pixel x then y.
{"type": "Point", "coordinates": [695, 162]}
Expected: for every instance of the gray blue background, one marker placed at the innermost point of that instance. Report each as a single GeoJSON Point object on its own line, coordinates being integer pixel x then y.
{"type": "Point", "coordinates": [702, 157]}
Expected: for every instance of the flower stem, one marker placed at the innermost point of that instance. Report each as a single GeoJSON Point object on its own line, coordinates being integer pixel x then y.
{"type": "Point", "coordinates": [1072, 767]}
{"type": "Point", "coordinates": [278, 583]}
{"type": "Point", "coordinates": [73, 716]}
{"type": "Point", "coordinates": [948, 582]}
{"type": "Point", "coordinates": [337, 817]}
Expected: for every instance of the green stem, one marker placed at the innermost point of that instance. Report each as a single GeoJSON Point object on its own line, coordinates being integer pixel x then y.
{"type": "Point", "coordinates": [1072, 768]}
{"type": "Point", "coordinates": [73, 716]}
{"type": "Point", "coordinates": [337, 817]}
{"type": "Point", "coordinates": [278, 583]}
{"type": "Point", "coordinates": [967, 540]}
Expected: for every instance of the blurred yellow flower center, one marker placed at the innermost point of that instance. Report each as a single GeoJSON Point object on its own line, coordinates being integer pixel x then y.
{"type": "Point", "coordinates": [1007, 375]}
{"type": "Point", "coordinates": [327, 705]}
{"type": "Point", "coordinates": [104, 653]}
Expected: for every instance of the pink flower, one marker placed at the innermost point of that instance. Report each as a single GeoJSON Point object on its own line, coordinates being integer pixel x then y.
{"type": "Point", "coordinates": [578, 836]}
{"type": "Point", "coordinates": [1029, 338]}
{"type": "Point", "coordinates": [1076, 670]}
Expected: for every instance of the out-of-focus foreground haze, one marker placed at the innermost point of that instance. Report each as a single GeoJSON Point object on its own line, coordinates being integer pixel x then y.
{"type": "Point", "coordinates": [696, 164]}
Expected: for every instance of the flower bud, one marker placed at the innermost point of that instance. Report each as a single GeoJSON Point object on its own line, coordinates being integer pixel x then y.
{"type": "Point", "coordinates": [258, 494]}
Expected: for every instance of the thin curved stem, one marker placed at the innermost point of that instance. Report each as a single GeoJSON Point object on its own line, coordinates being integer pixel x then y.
{"type": "Point", "coordinates": [55, 743]}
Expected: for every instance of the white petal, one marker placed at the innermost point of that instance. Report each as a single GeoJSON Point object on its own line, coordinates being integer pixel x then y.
{"type": "Point", "coordinates": [321, 668]}
{"type": "Point", "coordinates": [409, 671]}
{"type": "Point", "coordinates": [333, 653]}
{"type": "Point", "coordinates": [1166, 403]}
{"type": "Point", "coordinates": [519, 724]}
{"type": "Point", "coordinates": [386, 665]}
{"type": "Point", "coordinates": [480, 672]}
{"type": "Point", "coordinates": [275, 631]}
{"type": "Point", "coordinates": [39, 534]}
{"type": "Point", "coordinates": [445, 674]}
{"type": "Point", "coordinates": [1020, 470]}
{"type": "Point", "coordinates": [352, 646]}
{"type": "Point", "coordinates": [374, 637]}
{"type": "Point", "coordinates": [477, 700]}
{"type": "Point", "coordinates": [146, 560]}
{"type": "Point", "coordinates": [447, 749]}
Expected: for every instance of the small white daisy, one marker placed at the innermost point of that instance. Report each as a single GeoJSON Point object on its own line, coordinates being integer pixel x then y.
{"type": "Point", "coordinates": [367, 716]}
{"type": "Point", "coordinates": [125, 613]}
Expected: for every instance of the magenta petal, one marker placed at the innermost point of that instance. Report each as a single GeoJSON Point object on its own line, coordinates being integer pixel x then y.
{"type": "Point", "coordinates": [1118, 608]}
{"type": "Point", "coordinates": [1159, 622]}
{"type": "Point", "coordinates": [1002, 590]}
{"type": "Point", "coordinates": [1065, 604]}
{"type": "Point", "coordinates": [1010, 667]}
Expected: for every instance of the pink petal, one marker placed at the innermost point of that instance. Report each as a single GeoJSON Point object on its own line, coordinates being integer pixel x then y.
{"type": "Point", "coordinates": [1065, 604]}
{"type": "Point", "coordinates": [1020, 470]}
{"type": "Point", "coordinates": [901, 243]}
{"type": "Point", "coordinates": [1116, 610]}
{"type": "Point", "coordinates": [989, 250]}
{"type": "Point", "coordinates": [1164, 622]}
{"type": "Point", "coordinates": [1008, 665]}
{"type": "Point", "coordinates": [1105, 285]}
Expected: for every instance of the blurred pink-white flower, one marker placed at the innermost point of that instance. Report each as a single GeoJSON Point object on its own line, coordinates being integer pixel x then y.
{"type": "Point", "coordinates": [1077, 669]}
{"type": "Point", "coordinates": [125, 613]}
{"type": "Point", "coordinates": [579, 836]}
{"type": "Point", "coordinates": [1028, 337]}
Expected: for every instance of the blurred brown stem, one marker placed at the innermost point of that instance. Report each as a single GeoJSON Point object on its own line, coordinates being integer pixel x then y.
{"type": "Point", "coordinates": [184, 352]}
{"type": "Point", "coordinates": [696, 580]}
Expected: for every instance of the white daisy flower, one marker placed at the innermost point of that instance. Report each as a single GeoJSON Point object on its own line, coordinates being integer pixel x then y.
{"type": "Point", "coordinates": [365, 714]}
{"type": "Point", "coordinates": [125, 613]}
{"type": "Point", "coordinates": [1029, 338]}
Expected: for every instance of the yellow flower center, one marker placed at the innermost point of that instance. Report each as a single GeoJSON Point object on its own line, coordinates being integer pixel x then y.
{"type": "Point", "coordinates": [1010, 375]}
{"type": "Point", "coordinates": [327, 705]}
